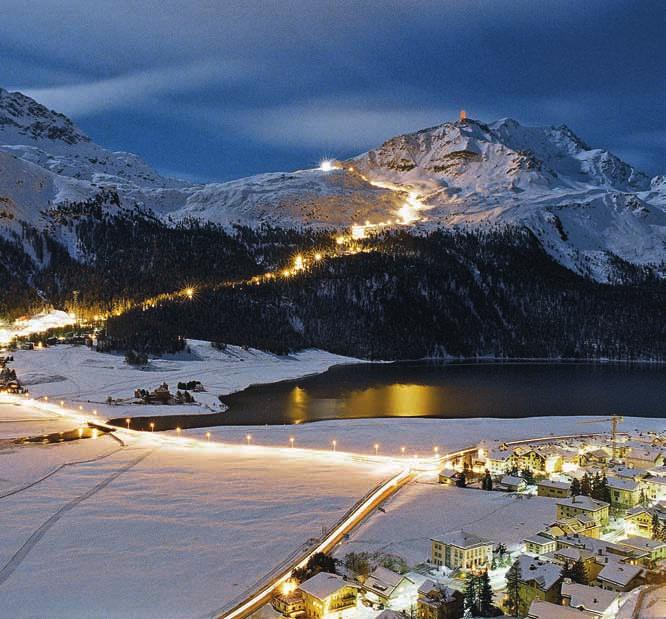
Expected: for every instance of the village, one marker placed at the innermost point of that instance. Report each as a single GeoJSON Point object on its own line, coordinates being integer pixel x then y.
{"type": "Point", "coordinates": [607, 538]}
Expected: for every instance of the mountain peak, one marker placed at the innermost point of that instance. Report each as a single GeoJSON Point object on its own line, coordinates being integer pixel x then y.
{"type": "Point", "coordinates": [22, 118]}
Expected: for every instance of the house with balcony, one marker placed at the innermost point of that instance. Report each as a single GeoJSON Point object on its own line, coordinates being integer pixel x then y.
{"type": "Point", "coordinates": [327, 593]}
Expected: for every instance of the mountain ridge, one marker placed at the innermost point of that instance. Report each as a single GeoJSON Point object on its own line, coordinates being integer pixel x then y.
{"type": "Point", "coordinates": [584, 204]}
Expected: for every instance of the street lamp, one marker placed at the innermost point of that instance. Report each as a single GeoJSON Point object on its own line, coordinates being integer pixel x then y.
{"type": "Point", "coordinates": [208, 436]}
{"type": "Point", "coordinates": [80, 432]}
{"type": "Point", "coordinates": [334, 443]}
{"type": "Point", "coordinates": [402, 451]}
{"type": "Point", "coordinates": [178, 430]}
{"type": "Point", "coordinates": [152, 426]}
{"type": "Point", "coordinates": [376, 446]}
{"type": "Point", "coordinates": [436, 450]}
{"type": "Point", "coordinates": [291, 441]}
{"type": "Point", "coordinates": [62, 403]}
{"type": "Point", "coordinates": [127, 421]}
{"type": "Point", "coordinates": [248, 438]}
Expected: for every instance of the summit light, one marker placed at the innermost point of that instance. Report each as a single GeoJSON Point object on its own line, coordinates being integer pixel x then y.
{"type": "Point", "coordinates": [327, 165]}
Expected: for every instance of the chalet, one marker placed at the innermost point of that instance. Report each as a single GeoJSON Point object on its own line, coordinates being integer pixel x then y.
{"type": "Point", "coordinates": [583, 506]}
{"type": "Point", "coordinates": [595, 456]}
{"type": "Point", "coordinates": [554, 489]}
{"type": "Point", "coordinates": [461, 550]}
{"type": "Point", "coordinates": [448, 478]}
{"type": "Point", "coordinates": [327, 593]}
{"type": "Point", "coordinates": [528, 458]}
{"type": "Point", "coordinates": [538, 580]}
{"type": "Point", "coordinates": [384, 585]}
{"type": "Point", "coordinates": [638, 521]}
{"type": "Point", "coordinates": [582, 525]}
{"type": "Point", "coordinates": [497, 461]}
{"type": "Point", "coordinates": [596, 601]}
{"type": "Point", "coordinates": [289, 603]}
{"type": "Point", "coordinates": [512, 483]}
{"type": "Point", "coordinates": [435, 601]}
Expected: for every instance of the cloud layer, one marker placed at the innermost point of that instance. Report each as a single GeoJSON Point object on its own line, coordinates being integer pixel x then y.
{"type": "Point", "coordinates": [220, 89]}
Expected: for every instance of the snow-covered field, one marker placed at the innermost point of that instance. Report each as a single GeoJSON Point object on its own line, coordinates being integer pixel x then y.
{"type": "Point", "coordinates": [426, 509]}
{"type": "Point", "coordinates": [174, 527]}
{"type": "Point", "coordinates": [155, 530]}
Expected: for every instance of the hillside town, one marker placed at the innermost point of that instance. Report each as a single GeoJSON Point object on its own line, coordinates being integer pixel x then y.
{"type": "Point", "coordinates": [605, 545]}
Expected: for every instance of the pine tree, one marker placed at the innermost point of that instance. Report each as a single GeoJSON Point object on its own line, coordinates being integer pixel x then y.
{"type": "Point", "coordinates": [586, 485]}
{"type": "Point", "coordinates": [487, 483]}
{"type": "Point", "coordinates": [461, 481]}
{"type": "Point", "coordinates": [657, 532]}
{"type": "Point", "coordinates": [604, 490]}
{"type": "Point", "coordinates": [513, 588]}
{"type": "Point", "coordinates": [579, 573]}
{"type": "Point", "coordinates": [595, 486]}
{"type": "Point", "coordinates": [485, 595]}
{"type": "Point", "coordinates": [471, 594]}
{"type": "Point", "coordinates": [575, 487]}
{"type": "Point", "coordinates": [528, 476]}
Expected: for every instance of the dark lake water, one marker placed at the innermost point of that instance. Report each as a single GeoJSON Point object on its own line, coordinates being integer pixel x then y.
{"type": "Point", "coordinates": [450, 390]}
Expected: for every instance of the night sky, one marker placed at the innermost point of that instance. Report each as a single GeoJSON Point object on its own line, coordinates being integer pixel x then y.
{"type": "Point", "coordinates": [219, 90]}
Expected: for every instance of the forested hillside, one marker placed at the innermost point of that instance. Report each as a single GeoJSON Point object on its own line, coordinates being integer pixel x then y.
{"type": "Point", "coordinates": [491, 292]}
{"type": "Point", "coordinates": [494, 294]}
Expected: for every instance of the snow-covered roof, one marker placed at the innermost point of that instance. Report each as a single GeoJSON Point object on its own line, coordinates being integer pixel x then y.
{"type": "Point", "coordinates": [549, 483]}
{"type": "Point", "coordinates": [642, 543]}
{"type": "Point", "coordinates": [538, 538]}
{"type": "Point", "coordinates": [512, 480]}
{"type": "Point", "coordinates": [588, 598]}
{"type": "Point", "coordinates": [431, 589]}
{"type": "Point", "coordinates": [546, 610]}
{"type": "Point", "coordinates": [323, 585]}
{"type": "Point", "coordinates": [545, 574]}
{"type": "Point", "coordinates": [620, 483]}
{"type": "Point", "coordinates": [618, 573]}
{"type": "Point", "coordinates": [462, 539]}
{"type": "Point", "coordinates": [383, 581]}
{"type": "Point", "coordinates": [583, 502]}
{"type": "Point", "coordinates": [628, 471]}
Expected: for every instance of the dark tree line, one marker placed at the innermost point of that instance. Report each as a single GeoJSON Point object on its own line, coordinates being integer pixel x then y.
{"type": "Point", "coordinates": [491, 292]}
{"type": "Point", "coordinates": [465, 295]}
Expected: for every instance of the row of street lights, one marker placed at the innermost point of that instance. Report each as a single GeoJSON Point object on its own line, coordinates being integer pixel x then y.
{"type": "Point", "coordinates": [248, 437]}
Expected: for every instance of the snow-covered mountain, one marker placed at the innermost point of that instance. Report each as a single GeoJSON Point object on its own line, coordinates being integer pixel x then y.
{"type": "Point", "coordinates": [582, 202]}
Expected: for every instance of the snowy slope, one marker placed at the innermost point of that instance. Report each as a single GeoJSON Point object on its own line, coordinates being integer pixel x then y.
{"type": "Point", "coordinates": [582, 202]}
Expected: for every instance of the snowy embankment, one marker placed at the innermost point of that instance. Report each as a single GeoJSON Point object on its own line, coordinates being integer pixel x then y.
{"type": "Point", "coordinates": [80, 376]}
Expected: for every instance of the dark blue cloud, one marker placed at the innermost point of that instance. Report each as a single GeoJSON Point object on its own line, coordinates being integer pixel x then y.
{"type": "Point", "coordinates": [217, 90]}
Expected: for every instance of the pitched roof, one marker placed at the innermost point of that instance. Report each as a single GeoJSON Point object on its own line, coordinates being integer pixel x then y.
{"type": "Point", "coordinates": [560, 485]}
{"type": "Point", "coordinates": [323, 584]}
{"type": "Point", "coordinates": [619, 573]}
{"type": "Point", "coordinates": [583, 502]}
{"type": "Point", "coordinates": [383, 581]}
{"type": "Point", "coordinates": [462, 539]}
{"type": "Point", "coordinates": [546, 610]}
{"type": "Point", "coordinates": [589, 598]}
{"type": "Point", "coordinates": [545, 574]}
{"type": "Point", "coordinates": [621, 483]}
